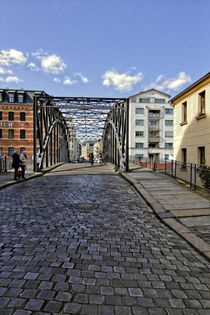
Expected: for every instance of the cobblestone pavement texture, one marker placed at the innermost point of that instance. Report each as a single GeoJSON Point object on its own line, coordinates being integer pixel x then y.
{"type": "Point", "coordinates": [89, 244]}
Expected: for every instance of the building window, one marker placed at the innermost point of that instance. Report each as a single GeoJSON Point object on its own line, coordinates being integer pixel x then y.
{"type": "Point", "coordinates": [139, 133]}
{"type": "Point", "coordinates": [169, 111]}
{"type": "Point", "coordinates": [133, 100]}
{"type": "Point", "coordinates": [168, 145]}
{"type": "Point", "coordinates": [184, 157]}
{"type": "Point", "coordinates": [0, 115]}
{"type": "Point", "coordinates": [11, 98]}
{"type": "Point", "coordinates": [22, 134]}
{"type": "Point", "coordinates": [201, 103]}
{"type": "Point", "coordinates": [11, 134]}
{"type": "Point", "coordinates": [10, 151]}
{"type": "Point", "coordinates": [139, 145]}
{"type": "Point", "coordinates": [166, 157]}
{"type": "Point", "coordinates": [144, 100]}
{"type": "Point", "coordinates": [20, 98]}
{"type": "Point", "coordinates": [22, 116]}
{"type": "Point", "coordinates": [1, 151]}
{"type": "Point", "coordinates": [22, 149]}
{"type": "Point", "coordinates": [201, 153]}
{"type": "Point", "coordinates": [1, 96]}
{"type": "Point", "coordinates": [169, 134]}
{"type": "Point", "coordinates": [139, 111]}
{"type": "Point", "coordinates": [168, 122]}
{"type": "Point", "coordinates": [11, 116]}
{"type": "Point", "coordinates": [160, 101]}
{"type": "Point", "coordinates": [0, 133]}
{"type": "Point", "coordinates": [139, 122]}
{"type": "Point", "coordinates": [139, 156]}
{"type": "Point", "coordinates": [184, 112]}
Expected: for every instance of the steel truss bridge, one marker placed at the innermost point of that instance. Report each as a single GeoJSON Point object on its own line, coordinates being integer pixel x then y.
{"type": "Point", "coordinates": [60, 120]}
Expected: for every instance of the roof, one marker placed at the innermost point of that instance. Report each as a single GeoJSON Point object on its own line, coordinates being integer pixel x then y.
{"type": "Point", "coordinates": [206, 76]}
{"type": "Point", "coordinates": [146, 91]}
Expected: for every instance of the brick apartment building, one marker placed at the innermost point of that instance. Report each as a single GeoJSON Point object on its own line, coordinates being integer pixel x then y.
{"type": "Point", "coordinates": [16, 121]}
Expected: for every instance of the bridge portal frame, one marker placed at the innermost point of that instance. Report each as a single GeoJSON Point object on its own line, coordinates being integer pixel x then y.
{"type": "Point", "coordinates": [50, 127]}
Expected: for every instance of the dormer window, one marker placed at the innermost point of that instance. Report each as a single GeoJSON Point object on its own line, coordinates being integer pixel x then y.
{"type": "Point", "coordinates": [11, 98]}
{"type": "Point", "coordinates": [20, 98]}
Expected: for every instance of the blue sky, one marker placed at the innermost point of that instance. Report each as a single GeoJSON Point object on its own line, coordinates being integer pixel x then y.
{"type": "Point", "coordinates": [112, 48]}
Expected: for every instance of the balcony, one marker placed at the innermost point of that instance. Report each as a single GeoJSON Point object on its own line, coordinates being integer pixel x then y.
{"type": "Point", "coordinates": [153, 127]}
{"type": "Point", "coordinates": [154, 139]}
{"type": "Point", "coordinates": [154, 115]}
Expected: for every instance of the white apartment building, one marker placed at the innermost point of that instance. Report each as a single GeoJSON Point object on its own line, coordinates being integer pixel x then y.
{"type": "Point", "coordinates": [150, 126]}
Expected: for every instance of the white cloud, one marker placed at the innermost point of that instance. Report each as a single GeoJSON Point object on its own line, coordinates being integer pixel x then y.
{"type": "Point", "coordinates": [52, 63]}
{"type": "Point", "coordinates": [121, 81]}
{"type": "Point", "coordinates": [162, 83]}
{"type": "Point", "coordinates": [82, 77]}
{"type": "Point", "coordinates": [5, 71]}
{"type": "Point", "coordinates": [11, 57]}
{"type": "Point", "coordinates": [32, 66]}
{"type": "Point", "coordinates": [11, 79]}
{"type": "Point", "coordinates": [68, 81]}
{"type": "Point", "coordinates": [39, 53]}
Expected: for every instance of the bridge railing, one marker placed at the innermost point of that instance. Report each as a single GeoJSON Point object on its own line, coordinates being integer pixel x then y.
{"type": "Point", "coordinates": [197, 176]}
{"type": "Point", "coordinates": [5, 163]}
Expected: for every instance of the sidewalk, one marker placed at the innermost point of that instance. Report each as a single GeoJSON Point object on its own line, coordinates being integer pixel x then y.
{"type": "Point", "coordinates": [6, 178]}
{"type": "Point", "coordinates": [182, 209]}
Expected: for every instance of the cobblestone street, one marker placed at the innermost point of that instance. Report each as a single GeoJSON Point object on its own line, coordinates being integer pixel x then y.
{"type": "Point", "coordinates": [87, 243]}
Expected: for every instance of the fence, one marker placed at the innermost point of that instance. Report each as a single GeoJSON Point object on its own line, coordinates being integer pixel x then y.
{"type": "Point", "coordinates": [6, 163]}
{"type": "Point", "coordinates": [188, 172]}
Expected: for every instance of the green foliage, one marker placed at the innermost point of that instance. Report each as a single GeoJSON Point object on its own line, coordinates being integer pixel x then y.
{"type": "Point", "coordinates": [204, 173]}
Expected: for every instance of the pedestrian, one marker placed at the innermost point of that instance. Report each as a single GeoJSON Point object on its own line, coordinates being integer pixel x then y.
{"type": "Point", "coordinates": [38, 161]}
{"type": "Point", "coordinates": [15, 163]}
{"type": "Point", "coordinates": [91, 158]}
{"type": "Point", "coordinates": [23, 160]}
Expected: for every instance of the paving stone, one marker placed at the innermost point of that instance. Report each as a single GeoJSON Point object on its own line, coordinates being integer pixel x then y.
{"type": "Point", "coordinates": [96, 299]}
{"type": "Point", "coordinates": [137, 310]}
{"type": "Point", "coordinates": [106, 310]}
{"type": "Point", "coordinates": [122, 310]}
{"type": "Point", "coordinates": [63, 297]}
{"type": "Point", "coordinates": [89, 310]}
{"type": "Point", "coordinates": [72, 308]}
{"type": "Point", "coordinates": [46, 295]}
{"type": "Point", "coordinates": [34, 304]}
{"type": "Point", "coordinates": [135, 292]}
{"type": "Point", "coordinates": [16, 303]}
{"type": "Point", "coordinates": [53, 306]}
{"type": "Point", "coordinates": [22, 312]}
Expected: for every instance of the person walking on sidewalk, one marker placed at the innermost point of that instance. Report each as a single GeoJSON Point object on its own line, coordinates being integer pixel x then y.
{"type": "Point", "coordinates": [23, 160]}
{"type": "Point", "coordinates": [15, 163]}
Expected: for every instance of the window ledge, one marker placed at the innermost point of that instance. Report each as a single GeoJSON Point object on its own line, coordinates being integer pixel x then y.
{"type": "Point", "coordinates": [183, 123]}
{"type": "Point", "coordinates": [200, 116]}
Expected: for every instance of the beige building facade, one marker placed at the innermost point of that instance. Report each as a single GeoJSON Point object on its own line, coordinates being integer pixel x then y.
{"type": "Point", "coordinates": [192, 123]}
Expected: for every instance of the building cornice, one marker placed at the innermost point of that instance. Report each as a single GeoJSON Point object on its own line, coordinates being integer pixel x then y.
{"type": "Point", "coordinates": [191, 89]}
